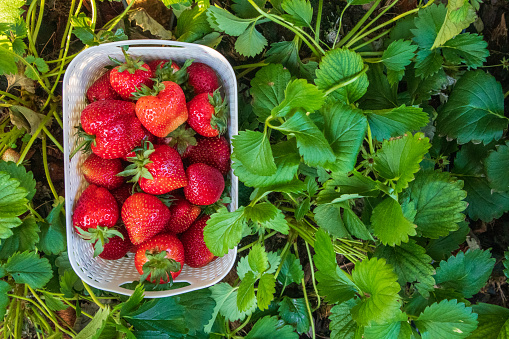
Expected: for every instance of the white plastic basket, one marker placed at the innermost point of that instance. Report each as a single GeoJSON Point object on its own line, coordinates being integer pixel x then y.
{"type": "Point", "coordinates": [88, 66]}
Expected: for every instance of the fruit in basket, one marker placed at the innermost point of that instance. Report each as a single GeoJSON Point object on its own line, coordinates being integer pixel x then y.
{"type": "Point", "coordinates": [183, 214]}
{"type": "Point", "coordinates": [214, 152]}
{"type": "Point", "coordinates": [111, 128]}
{"type": "Point", "coordinates": [128, 76]}
{"type": "Point", "coordinates": [122, 193]}
{"type": "Point", "coordinates": [160, 258]}
{"type": "Point", "coordinates": [95, 207]}
{"type": "Point", "coordinates": [102, 172]}
{"type": "Point", "coordinates": [196, 251]}
{"type": "Point", "coordinates": [160, 63]}
{"type": "Point", "coordinates": [205, 184]}
{"type": "Point", "coordinates": [101, 89]}
{"type": "Point", "coordinates": [144, 216]}
{"type": "Point", "coordinates": [117, 247]}
{"type": "Point", "coordinates": [162, 109]}
{"type": "Point", "coordinates": [207, 114]}
{"type": "Point", "coordinates": [202, 78]}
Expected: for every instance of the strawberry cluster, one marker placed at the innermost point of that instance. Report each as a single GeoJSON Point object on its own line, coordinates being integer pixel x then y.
{"type": "Point", "coordinates": [139, 125]}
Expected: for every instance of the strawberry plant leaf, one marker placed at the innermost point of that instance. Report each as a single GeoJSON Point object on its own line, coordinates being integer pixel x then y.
{"type": "Point", "coordinates": [335, 67]}
{"type": "Point", "coordinates": [12, 204]}
{"type": "Point", "coordinates": [4, 299]}
{"type": "Point", "coordinates": [287, 54]}
{"type": "Point", "coordinates": [467, 272]}
{"type": "Point", "coordinates": [342, 184]}
{"type": "Point", "coordinates": [253, 150]}
{"type": "Point", "coordinates": [299, 94]}
{"type": "Point", "coordinates": [223, 21]}
{"type": "Point", "coordinates": [96, 326]}
{"type": "Point", "coordinates": [428, 24]}
{"type": "Point", "coordinates": [341, 324]}
{"type": "Point", "coordinates": [313, 146]}
{"type": "Point", "coordinates": [428, 62]}
{"type": "Point", "coordinates": [258, 260]}
{"type": "Point", "coordinates": [398, 55]}
{"type": "Point", "coordinates": [466, 48]}
{"type": "Point", "coordinates": [439, 201]}
{"type": "Point", "coordinates": [192, 25]}
{"type": "Point", "coordinates": [24, 238]}
{"type": "Point", "coordinates": [387, 123]}
{"type": "Point", "coordinates": [389, 223]}
{"type": "Point", "coordinates": [198, 309]}
{"type": "Point", "coordinates": [328, 217]}
{"type": "Point", "coordinates": [224, 230]}
{"type": "Point", "coordinates": [147, 23]}
{"type": "Point", "coordinates": [28, 268]}
{"type": "Point", "coordinates": [399, 159]}
{"type": "Point", "coordinates": [54, 303]}
{"type": "Point", "coordinates": [460, 14]}
{"type": "Point", "coordinates": [421, 90]}
{"type": "Point", "coordinates": [266, 290]}
{"type": "Point", "coordinates": [300, 12]}
{"type": "Point", "coordinates": [10, 11]}
{"type": "Point", "coordinates": [7, 62]}
{"type": "Point", "coordinates": [442, 247]}
{"type": "Point", "coordinates": [475, 110]}
{"type": "Point", "coordinates": [268, 327]}
{"type": "Point", "coordinates": [134, 300]}
{"type": "Point", "coordinates": [411, 264]}
{"type": "Point", "coordinates": [20, 173]}
{"type": "Point", "coordinates": [245, 10]}
{"type": "Point", "coordinates": [376, 278]}
{"type": "Point", "coordinates": [493, 321]}
{"type": "Point", "coordinates": [251, 42]}
{"type": "Point", "coordinates": [52, 237]}
{"type": "Point", "coordinates": [246, 295]}
{"type": "Point", "coordinates": [291, 271]}
{"type": "Point", "coordinates": [397, 327]}
{"type": "Point", "coordinates": [447, 319]}
{"type": "Point", "coordinates": [268, 89]}
{"type": "Point", "coordinates": [226, 304]}
{"type": "Point", "coordinates": [344, 128]}
{"type": "Point", "coordinates": [354, 225]}
{"type": "Point", "coordinates": [294, 312]}
{"type": "Point", "coordinates": [496, 165]}
{"type": "Point", "coordinates": [268, 216]}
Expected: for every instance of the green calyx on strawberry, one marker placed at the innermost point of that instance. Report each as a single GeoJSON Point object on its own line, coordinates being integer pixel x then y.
{"type": "Point", "coordinates": [99, 237]}
{"type": "Point", "coordinates": [130, 75]}
{"type": "Point", "coordinates": [208, 114]}
{"type": "Point", "coordinates": [137, 169]}
{"type": "Point", "coordinates": [181, 139]}
{"type": "Point", "coordinates": [84, 141]}
{"type": "Point", "coordinates": [159, 268]}
{"type": "Point", "coordinates": [130, 64]}
{"type": "Point", "coordinates": [144, 90]}
{"type": "Point", "coordinates": [168, 73]}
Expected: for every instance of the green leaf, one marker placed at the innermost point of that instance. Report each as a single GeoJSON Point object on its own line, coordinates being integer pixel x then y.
{"type": "Point", "coordinates": [245, 10]}
{"type": "Point", "coordinates": [271, 327]}
{"type": "Point", "coordinates": [291, 271]}
{"type": "Point", "coordinates": [299, 94]}
{"type": "Point", "coordinates": [335, 67]}
{"type": "Point", "coordinates": [328, 217]}
{"type": "Point", "coordinates": [268, 89]}
{"type": "Point", "coordinates": [466, 48]}
{"type": "Point", "coordinates": [253, 150]}
{"type": "Point", "coordinates": [198, 306]}
{"type": "Point", "coordinates": [467, 272]}
{"type": "Point", "coordinates": [421, 90]}
{"type": "Point", "coordinates": [226, 296]}
{"type": "Point", "coordinates": [411, 264]}
{"type": "Point", "coordinates": [376, 278]}
{"type": "Point", "coordinates": [341, 324]}
{"type": "Point", "coordinates": [28, 268]}
{"type": "Point", "coordinates": [96, 326]}
{"type": "Point", "coordinates": [224, 230]}
{"type": "Point", "coordinates": [442, 247]}
{"type": "Point", "coordinates": [294, 312]}
{"type": "Point", "coordinates": [251, 42]}
{"type": "Point", "coordinates": [12, 204]}
{"type": "Point", "coordinates": [311, 142]}
{"type": "Point", "coordinates": [399, 159]}
{"type": "Point", "coordinates": [493, 322]}
{"type": "Point", "coordinates": [20, 173]}
{"type": "Point", "coordinates": [342, 184]}
{"type": "Point", "coordinates": [223, 21]}
{"type": "Point", "coordinates": [438, 199]}
{"type": "Point", "coordinates": [397, 327]}
{"type": "Point", "coordinates": [496, 165]}
{"type": "Point", "coordinates": [398, 55]}
{"type": "Point", "coordinates": [266, 290]}
{"type": "Point", "coordinates": [389, 224]}
{"type": "Point", "coordinates": [82, 29]}
{"type": "Point", "coordinates": [387, 123]}
{"type": "Point", "coordinates": [10, 11]}
{"type": "Point", "coordinates": [27, 234]}
{"type": "Point", "coordinates": [454, 23]}
{"type": "Point", "coordinates": [428, 24]}
{"type": "Point", "coordinates": [475, 109]}
{"type": "Point", "coordinates": [246, 294]}
{"type": "Point", "coordinates": [258, 260]}
{"type": "Point", "coordinates": [7, 62]}
{"type": "Point", "coordinates": [54, 303]}
{"type": "Point", "coordinates": [52, 237]}
{"type": "Point", "coordinates": [355, 226]}
{"type": "Point", "coordinates": [300, 12]}
{"type": "Point", "coordinates": [344, 128]}
{"type": "Point", "coordinates": [447, 319]}
{"type": "Point", "coordinates": [268, 216]}
{"type": "Point", "coordinates": [428, 63]}
{"type": "Point", "coordinates": [192, 24]}
{"type": "Point", "coordinates": [134, 301]}
{"type": "Point", "coordinates": [287, 54]}
{"type": "Point", "coordinates": [4, 299]}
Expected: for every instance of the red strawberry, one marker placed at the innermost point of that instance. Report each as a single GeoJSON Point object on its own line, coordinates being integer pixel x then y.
{"type": "Point", "coordinates": [163, 113]}
{"type": "Point", "coordinates": [103, 172]}
{"type": "Point", "coordinates": [205, 186]}
{"type": "Point", "coordinates": [180, 139]}
{"type": "Point", "coordinates": [144, 216]}
{"type": "Point", "coordinates": [101, 89]}
{"type": "Point", "coordinates": [214, 152]}
{"type": "Point", "coordinates": [128, 76]}
{"type": "Point", "coordinates": [147, 137]}
{"type": "Point", "coordinates": [196, 251]}
{"type": "Point", "coordinates": [202, 78]}
{"type": "Point", "coordinates": [183, 214]}
{"type": "Point", "coordinates": [117, 247]}
{"type": "Point", "coordinates": [160, 259]}
{"type": "Point", "coordinates": [110, 128]}
{"type": "Point", "coordinates": [207, 114]}
{"type": "Point", "coordinates": [95, 207]}
{"type": "Point", "coordinates": [122, 193]}
{"type": "Point", "coordinates": [159, 64]}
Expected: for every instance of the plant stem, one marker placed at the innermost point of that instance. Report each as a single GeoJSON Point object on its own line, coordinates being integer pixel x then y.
{"type": "Point", "coordinates": [318, 21]}
{"type": "Point", "coordinates": [121, 16]}
{"type": "Point", "coordinates": [371, 40]}
{"type": "Point", "coordinates": [15, 98]}
{"type": "Point", "coordinates": [370, 141]}
{"type": "Point", "coordinates": [255, 65]}
{"type": "Point", "coordinates": [241, 326]}
{"type": "Point", "coordinates": [92, 295]}
{"type": "Point", "coordinates": [55, 141]}
{"type": "Point", "coordinates": [251, 244]}
{"type": "Point", "coordinates": [58, 119]}
{"type": "Point", "coordinates": [348, 80]}
{"type": "Point", "coordinates": [310, 314]}
{"type": "Point", "coordinates": [283, 257]}
{"type": "Point", "coordinates": [359, 24]}
{"type": "Point", "coordinates": [376, 18]}
{"type": "Point", "coordinates": [46, 168]}
{"type": "Point", "coordinates": [66, 32]}
{"type": "Point", "coordinates": [39, 21]}
{"type": "Point", "coordinates": [310, 258]}
{"type": "Point", "coordinates": [34, 136]}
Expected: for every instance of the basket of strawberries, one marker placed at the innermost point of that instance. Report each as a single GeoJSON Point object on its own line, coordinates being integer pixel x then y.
{"type": "Point", "coordinates": [147, 133]}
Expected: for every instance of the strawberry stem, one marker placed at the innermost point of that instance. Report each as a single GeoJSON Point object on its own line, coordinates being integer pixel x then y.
{"type": "Point", "coordinates": [99, 237]}
{"type": "Point", "coordinates": [159, 267]}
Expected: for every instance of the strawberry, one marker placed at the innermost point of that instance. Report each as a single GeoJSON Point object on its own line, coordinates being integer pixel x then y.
{"type": "Point", "coordinates": [147, 137]}
{"type": "Point", "coordinates": [159, 64]}
{"type": "Point", "coordinates": [205, 184]}
{"type": "Point", "coordinates": [207, 114]}
{"type": "Point", "coordinates": [101, 89]}
{"type": "Point", "coordinates": [202, 78]}
{"type": "Point", "coordinates": [122, 193]}
{"type": "Point", "coordinates": [158, 169]}
{"type": "Point", "coordinates": [103, 172]}
{"type": "Point", "coordinates": [160, 259]}
{"type": "Point", "coordinates": [214, 152]}
{"type": "Point", "coordinates": [183, 214]}
{"type": "Point", "coordinates": [117, 247]}
{"type": "Point", "coordinates": [196, 251]}
{"type": "Point", "coordinates": [144, 216]}
{"type": "Point", "coordinates": [181, 139]}
{"type": "Point", "coordinates": [110, 128]}
{"type": "Point", "coordinates": [128, 76]}
{"type": "Point", "coordinates": [163, 109]}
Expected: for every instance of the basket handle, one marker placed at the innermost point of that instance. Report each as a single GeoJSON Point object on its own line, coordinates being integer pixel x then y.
{"type": "Point", "coordinates": [155, 42]}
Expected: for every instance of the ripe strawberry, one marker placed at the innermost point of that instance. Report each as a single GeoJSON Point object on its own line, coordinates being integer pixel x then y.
{"type": "Point", "coordinates": [205, 184]}
{"type": "Point", "coordinates": [202, 78]}
{"type": "Point", "coordinates": [214, 152]}
{"type": "Point", "coordinates": [128, 76]}
{"type": "Point", "coordinates": [117, 247]}
{"type": "Point", "coordinates": [196, 251]}
{"type": "Point", "coordinates": [160, 259]}
{"type": "Point", "coordinates": [101, 89]}
{"type": "Point", "coordinates": [103, 172]}
{"type": "Point", "coordinates": [207, 114]}
{"type": "Point", "coordinates": [180, 139]}
{"type": "Point", "coordinates": [95, 207]}
{"type": "Point", "coordinates": [159, 64]}
{"type": "Point", "coordinates": [183, 214]}
{"type": "Point", "coordinates": [144, 216]}
{"type": "Point", "coordinates": [147, 137]}
{"type": "Point", "coordinates": [163, 112]}
{"type": "Point", "coordinates": [158, 169]}
{"type": "Point", "coordinates": [122, 193]}
{"type": "Point", "coordinates": [110, 128]}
